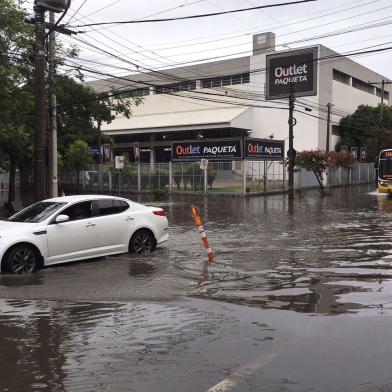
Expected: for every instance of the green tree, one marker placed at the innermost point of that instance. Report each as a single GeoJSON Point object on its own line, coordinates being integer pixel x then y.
{"type": "Point", "coordinates": [77, 158]}
{"type": "Point", "coordinates": [319, 161]}
{"type": "Point", "coordinates": [80, 109]}
{"type": "Point", "coordinates": [14, 141]}
{"type": "Point", "coordinates": [315, 161]}
{"type": "Point", "coordinates": [16, 40]}
{"type": "Point", "coordinates": [362, 128]}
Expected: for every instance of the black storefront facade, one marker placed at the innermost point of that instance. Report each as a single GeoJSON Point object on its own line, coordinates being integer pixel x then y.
{"type": "Point", "coordinates": [229, 155]}
{"type": "Point", "coordinates": [156, 147]}
{"type": "Point", "coordinates": [229, 144]}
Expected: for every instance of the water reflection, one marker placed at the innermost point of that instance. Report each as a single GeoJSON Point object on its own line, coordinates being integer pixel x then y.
{"type": "Point", "coordinates": [10, 280]}
{"type": "Point", "coordinates": [56, 346]}
{"type": "Point", "coordinates": [141, 269]}
{"type": "Point", "coordinates": [269, 252]}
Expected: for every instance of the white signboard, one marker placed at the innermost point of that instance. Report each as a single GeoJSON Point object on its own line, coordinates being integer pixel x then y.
{"type": "Point", "coordinates": [204, 164]}
{"type": "Point", "coordinates": [136, 151]}
{"type": "Point", "coordinates": [119, 162]}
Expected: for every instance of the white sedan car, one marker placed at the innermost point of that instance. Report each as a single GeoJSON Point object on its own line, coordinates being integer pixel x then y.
{"type": "Point", "coordinates": [80, 227]}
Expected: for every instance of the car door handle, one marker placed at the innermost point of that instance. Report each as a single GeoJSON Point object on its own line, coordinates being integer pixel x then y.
{"type": "Point", "coordinates": [90, 224]}
{"type": "Point", "coordinates": [129, 218]}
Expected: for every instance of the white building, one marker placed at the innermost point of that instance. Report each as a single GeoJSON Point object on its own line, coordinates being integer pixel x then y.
{"type": "Point", "coordinates": [225, 99]}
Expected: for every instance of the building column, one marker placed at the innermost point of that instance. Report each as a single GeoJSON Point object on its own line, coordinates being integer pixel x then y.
{"type": "Point", "coordinates": [152, 153]}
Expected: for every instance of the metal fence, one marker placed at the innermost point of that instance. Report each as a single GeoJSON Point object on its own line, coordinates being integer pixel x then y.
{"type": "Point", "coordinates": [233, 177]}
{"type": "Point", "coordinates": [4, 180]}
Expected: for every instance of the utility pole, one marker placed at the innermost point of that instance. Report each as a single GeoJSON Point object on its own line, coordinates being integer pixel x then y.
{"type": "Point", "coordinates": [292, 121]}
{"type": "Point", "coordinates": [381, 112]}
{"type": "Point", "coordinates": [53, 187]}
{"type": "Point", "coordinates": [100, 159]}
{"type": "Point", "coordinates": [329, 106]}
{"type": "Point", "coordinates": [39, 159]}
{"type": "Point", "coordinates": [39, 153]}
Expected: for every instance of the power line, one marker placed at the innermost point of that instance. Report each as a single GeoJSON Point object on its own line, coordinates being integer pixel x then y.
{"type": "Point", "coordinates": [338, 32]}
{"type": "Point", "coordinates": [354, 53]}
{"type": "Point", "coordinates": [171, 9]}
{"type": "Point", "coordinates": [177, 64]}
{"type": "Point", "coordinates": [138, 82]}
{"type": "Point", "coordinates": [95, 12]}
{"type": "Point", "coordinates": [294, 32]}
{"type": "Point", "coordinates": [266, 27]}
{"type": "Point", "coordinates": [147, 16]}
{"type": "Point", "coordinates": [69, 20]}
{"type": "Point", "coordinates": [146, 83]}
{"type": "Point", "coordinates": [196, 16]}
{"type": "Point", "coordinates": [274, 26]}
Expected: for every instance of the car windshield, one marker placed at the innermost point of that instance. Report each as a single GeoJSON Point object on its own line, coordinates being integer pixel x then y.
{"type": "Point", "coordinates": [36, 212]}
{"type": "Point", "coordinates": [385, 169]}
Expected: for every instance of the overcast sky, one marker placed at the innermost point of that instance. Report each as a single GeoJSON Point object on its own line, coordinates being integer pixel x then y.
{"type": "Point", "coordinates": [165, 44]}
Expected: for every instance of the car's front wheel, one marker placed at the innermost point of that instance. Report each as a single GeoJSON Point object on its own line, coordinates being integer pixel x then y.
{"type": "Point", "coordinates": [142, 242]}
{"type": "Point", "coordinates": [21, 259]}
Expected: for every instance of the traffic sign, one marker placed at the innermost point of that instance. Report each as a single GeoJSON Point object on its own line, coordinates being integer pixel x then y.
{"type": "Point", "coordinates": [204, 164]}
{"type": "Point", "coordinates": [119, 162]}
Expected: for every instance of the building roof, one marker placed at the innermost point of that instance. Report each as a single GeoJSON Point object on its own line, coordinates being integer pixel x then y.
{"type": "Point", "coordinates": [180, 120]}
{"type": "Point", "coordinates": [173, 75]}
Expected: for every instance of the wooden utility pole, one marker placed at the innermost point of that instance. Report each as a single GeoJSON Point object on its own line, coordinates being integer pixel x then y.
{"type": "Point", "coordinates": [100, 161]}
{"type": "Point", "coordinates": [40, 110]}
{"type": "Point", "coordinates": [53, 182]}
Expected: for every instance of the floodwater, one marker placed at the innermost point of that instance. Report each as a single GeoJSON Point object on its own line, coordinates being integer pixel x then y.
{"type": "Point", "coordinates": [299, 298]}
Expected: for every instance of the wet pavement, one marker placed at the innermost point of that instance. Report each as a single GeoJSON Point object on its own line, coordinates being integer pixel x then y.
{"type": "Point", "coordinates": [299, 298]}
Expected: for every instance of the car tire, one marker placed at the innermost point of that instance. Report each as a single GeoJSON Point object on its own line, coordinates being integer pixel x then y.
{"type": "Point", "coordinates": [141, 242]}
{"type": "Point", "coordinates": [21, 259]}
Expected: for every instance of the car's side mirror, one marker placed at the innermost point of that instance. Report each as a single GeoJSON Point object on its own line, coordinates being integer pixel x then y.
{"type": "Point", "coordinates": [62, 218]}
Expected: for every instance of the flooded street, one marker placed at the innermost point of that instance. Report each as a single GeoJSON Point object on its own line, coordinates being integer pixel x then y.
{"type": "Point", "coordinates": [299, 298]}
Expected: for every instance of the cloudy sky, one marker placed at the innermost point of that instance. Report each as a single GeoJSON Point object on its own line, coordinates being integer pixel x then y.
{"type": "Point", "coordinates": [118, 49]}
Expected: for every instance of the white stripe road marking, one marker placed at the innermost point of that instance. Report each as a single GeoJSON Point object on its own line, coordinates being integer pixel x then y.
{"type": "Point", "coordinates": [242, 373]}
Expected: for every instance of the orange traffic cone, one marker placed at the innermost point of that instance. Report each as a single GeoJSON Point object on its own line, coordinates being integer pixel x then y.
{"type": "Point", "coordinates": [200, 228]}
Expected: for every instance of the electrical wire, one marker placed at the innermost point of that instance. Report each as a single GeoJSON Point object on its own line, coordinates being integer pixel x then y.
{"type": "Point", "coordinates": [95, 12]}
{"type": "Point", "coordinates": [187, 43]}
{"type": "Point", "coordinates": [205, 93]}
{"type": "Point", "coordinates": [186, 62]}
{"type": "Point", "coordinates": [73, 15]}
{"type": "Point", "coordinates": [195, 16]}
{"type": "Point", "coordinates": [338, 32]}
